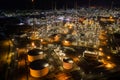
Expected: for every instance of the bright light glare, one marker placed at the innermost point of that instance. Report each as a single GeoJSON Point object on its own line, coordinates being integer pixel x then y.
{"type": "Point", "coordinates": [100, 49]}
{"type": "Point", "coordinates": [46, 65]}
{"type": "Point", "coordinates": [40, 52]}
{"type": "Point", "coordinates": [109, 66]}
{"type": "Point", "coordinates": [108, 57]}
{"type": "Point", "coordinates": [70, 61]}
{"type": "Point", "coordinates": [33, 44]}
{"type": "Point", "coordinates": [101, 54]}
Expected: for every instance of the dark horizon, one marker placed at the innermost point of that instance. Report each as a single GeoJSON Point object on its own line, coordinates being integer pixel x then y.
{"type": "Point", "coordinates": [60, 4]}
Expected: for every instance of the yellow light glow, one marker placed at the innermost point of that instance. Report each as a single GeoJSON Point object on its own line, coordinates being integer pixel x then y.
{"type": "Point", "coordinates": [108, 57]}
{"type": "Point", "coordinates": [109, 66]}
{"type": "Point", "coordinates": [50, 40]}
{"type": "Point", "coordinates": [102, 37]}
{"type": "Point", "coordinates": [101, 54]}
{"type": "Point", "coordinates": [57, 38]}
{"type": "Point", "coordinates": [102, 60]}
{"type": "Point", "coordinates": [33, 44]}
{"type": "Point", "coordinates": [70, 27]}
{"type": "Point", "coordinates": [21, 63]}
{"type": "Point", "coordinates": [110, 17]}
{"type": "Point", "coordinates": [66, 43]}
{"type": "Point", "coordinates": [76, 59]}
{"type": "Point", "coordinates": [100, 49]}
{"type": "Point", "coordinates": [43, 41]}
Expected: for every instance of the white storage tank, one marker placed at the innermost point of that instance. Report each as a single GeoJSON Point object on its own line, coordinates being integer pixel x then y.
{"type": "Point", "coordinates": [39, 68]}
{"type": "Point", "coordinates": [35, 54]}
{"type": "Point", "coordinates": [67, 63]}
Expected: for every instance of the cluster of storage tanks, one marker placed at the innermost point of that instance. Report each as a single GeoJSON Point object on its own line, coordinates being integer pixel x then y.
{"type": "Point", "coordinates": [39, 67]}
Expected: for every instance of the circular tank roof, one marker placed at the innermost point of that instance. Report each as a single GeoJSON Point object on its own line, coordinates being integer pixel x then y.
{"type": "Point", "coordinates": [39, 64]}
{"type": "Point", "coordinates": [68, 60]}
{"type": "Point", "coordinates": [35, 52]}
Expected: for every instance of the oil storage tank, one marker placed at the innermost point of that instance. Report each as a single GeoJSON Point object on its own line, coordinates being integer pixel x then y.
{"type": "Point", "coordinates": [39, 68]}
{"type": "Point", "coordinates": [35, 54]}
{"type": "Point", "coordinates": [67, 63]}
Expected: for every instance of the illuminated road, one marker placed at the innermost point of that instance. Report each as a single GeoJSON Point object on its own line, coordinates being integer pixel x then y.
{"type": "Point", "coordinates": [5, 57]}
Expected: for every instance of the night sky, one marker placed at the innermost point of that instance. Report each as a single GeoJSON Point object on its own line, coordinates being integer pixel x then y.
{"type": "Point", "coordinates": [49, 4]}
